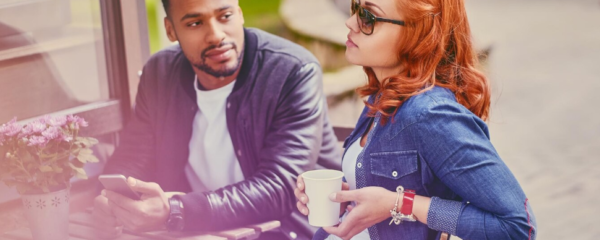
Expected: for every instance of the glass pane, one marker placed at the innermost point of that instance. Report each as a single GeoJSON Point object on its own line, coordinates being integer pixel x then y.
{"type": "Point", "coordinates": [51, 56]}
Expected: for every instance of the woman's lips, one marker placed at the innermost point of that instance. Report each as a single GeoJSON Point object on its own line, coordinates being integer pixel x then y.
{"type": "Point", "coordinates": [350, 43]}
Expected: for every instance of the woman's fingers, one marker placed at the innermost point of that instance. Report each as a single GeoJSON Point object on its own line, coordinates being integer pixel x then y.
{"type": "Point", "coordinates": [350, 207]}
{"type": "Point", "coordinates": [300, 183]}
{"type": "Point", "coordinates": [302, 208]}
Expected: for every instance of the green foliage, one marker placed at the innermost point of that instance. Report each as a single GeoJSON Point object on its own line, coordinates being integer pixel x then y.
{"type": "Point", "coordinates": [263, 14]}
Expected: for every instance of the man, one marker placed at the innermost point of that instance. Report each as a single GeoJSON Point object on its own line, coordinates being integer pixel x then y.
{"type": "Point", "coordinates": [230, 116]}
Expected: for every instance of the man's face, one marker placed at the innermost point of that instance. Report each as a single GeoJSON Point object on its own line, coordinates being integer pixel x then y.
{"type": "Point", "coordinates": [210, 33]}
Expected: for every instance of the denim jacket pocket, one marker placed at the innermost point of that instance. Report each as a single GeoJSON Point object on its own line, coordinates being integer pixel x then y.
{"type": "Point", "coordinates": [394, 165]}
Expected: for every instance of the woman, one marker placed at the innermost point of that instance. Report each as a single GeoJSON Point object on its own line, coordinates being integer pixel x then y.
{"type": "Point", "coordinates": [423, 130]}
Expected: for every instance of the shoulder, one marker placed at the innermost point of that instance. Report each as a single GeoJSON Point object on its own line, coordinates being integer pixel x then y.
{"type": "Point", "coordinates": [165, 57]}
{"type": "Point", "coordinates": [436, 112]}
{"type": "Point", "coordinates": [166, 65]}
{"type": "Point", "coordinates": [275, 49]}
{"type": "Point", "coordinates": [436, 104]}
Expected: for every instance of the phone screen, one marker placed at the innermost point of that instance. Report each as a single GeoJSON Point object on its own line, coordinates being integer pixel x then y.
{"type": "Point", "coordinates": [118, 183]}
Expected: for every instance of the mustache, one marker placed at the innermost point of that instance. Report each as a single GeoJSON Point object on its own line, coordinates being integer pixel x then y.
{"type": "Point", "coordinates": [233, 45]}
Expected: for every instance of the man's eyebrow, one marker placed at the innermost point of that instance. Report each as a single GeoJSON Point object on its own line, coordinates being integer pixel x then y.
{"type": "Point", "coordinates": [190, 15]}
{"type": "Point", "coordinates": [196, 14]}
{"type": "Point", "coordinates": [224, 8]}
{"type": "Point", "coordinates": [370, 4]}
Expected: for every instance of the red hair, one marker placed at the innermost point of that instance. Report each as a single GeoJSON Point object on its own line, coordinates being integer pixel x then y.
{"type": "Point", "coordinates": [436, 50]}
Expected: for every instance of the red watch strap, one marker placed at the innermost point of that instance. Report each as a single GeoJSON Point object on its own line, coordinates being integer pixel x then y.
{"type": "Point", "coordinates": [407, 202]}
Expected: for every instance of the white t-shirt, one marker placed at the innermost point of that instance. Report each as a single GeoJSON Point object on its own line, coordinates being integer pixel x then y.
{"type": "Point", "coordinates": [349, 169]}
{"type": "Point", "coordinates": [212, 163]}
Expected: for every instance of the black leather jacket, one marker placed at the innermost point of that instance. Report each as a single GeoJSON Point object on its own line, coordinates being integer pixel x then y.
{"type": "Point", "coordinates": [277, 119]}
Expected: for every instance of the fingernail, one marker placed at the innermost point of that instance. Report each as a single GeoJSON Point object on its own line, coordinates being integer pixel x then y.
{"type": "Point", "coordinates": [103, 193]}
{"type": "Point", "coordinates": [299, 185]}
{"type": "Point", "coordinates": [131, 181]}
{"type": "Point", "coordinates": [332, 197]}
{"type": "Point", "coordinates": [305, 211]}
{"type": "Point", "coordinates": [302, 199]}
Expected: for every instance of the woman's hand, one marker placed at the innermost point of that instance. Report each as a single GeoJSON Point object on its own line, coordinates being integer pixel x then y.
{"type": "Point", "coordinates": [303, 199]}
{"type": "Point", "coordinates": [373, 205]}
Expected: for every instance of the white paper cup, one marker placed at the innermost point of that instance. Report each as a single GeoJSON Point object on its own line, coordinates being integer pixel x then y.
{"type": "Point", "coordinates": [319, 184]}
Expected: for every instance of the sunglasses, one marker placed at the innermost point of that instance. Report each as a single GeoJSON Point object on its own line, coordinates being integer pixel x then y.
{"type": "Point", "coordinates": [366, 20]}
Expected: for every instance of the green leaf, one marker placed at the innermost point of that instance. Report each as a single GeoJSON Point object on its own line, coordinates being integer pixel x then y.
{"type": "Point", "coordinates": [57, 169]}
{"type": "Point", "coordinates": [93, 159]}
{"type": "Point", "coordinates": [77, 164]}
{"type": "Point", "coordinates": [23, 188]}
{"type": "Point", "coordinates": [79, 172]}
{"type": "Point", "coordinates": [46, 169]}
{"type": "Point", "coordinates": [86, 151]}
{"type": "Point", "coordinates": [86, 141]}
{"type": "Point", "coordinates": [81, 175]}
{"type": "Point", "coordinates": [88, 158]}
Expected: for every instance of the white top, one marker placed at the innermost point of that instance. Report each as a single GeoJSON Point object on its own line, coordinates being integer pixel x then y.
{"type": "Point", "coordinates": [212, 163]}
{"type": "Point", "coordinates": [349, 166]}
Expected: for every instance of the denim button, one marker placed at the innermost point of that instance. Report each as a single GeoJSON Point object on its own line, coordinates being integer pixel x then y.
{"type": "Point", "coordinates": [394, 174]}
{"type": "Point", "coordinates": [359, 165]}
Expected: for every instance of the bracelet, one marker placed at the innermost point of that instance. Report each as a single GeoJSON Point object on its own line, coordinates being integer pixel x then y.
{"type": "Point", "coordinates": [405, 213]}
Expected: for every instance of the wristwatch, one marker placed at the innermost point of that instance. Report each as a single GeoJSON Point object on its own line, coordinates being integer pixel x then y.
{"type": "Point", "coordinates": [175, 222]}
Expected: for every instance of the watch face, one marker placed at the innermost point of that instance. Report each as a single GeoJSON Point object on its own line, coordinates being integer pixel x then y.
{"type": "Point", "coordinates": [175, 223]}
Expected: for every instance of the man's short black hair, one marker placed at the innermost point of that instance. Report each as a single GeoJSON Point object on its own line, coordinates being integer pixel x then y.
{"type": "Point", "coordinates": [166, 5]}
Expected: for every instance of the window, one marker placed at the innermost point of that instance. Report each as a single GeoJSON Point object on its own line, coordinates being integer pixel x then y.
{"type": "Point", "coordinates": [69, 57]}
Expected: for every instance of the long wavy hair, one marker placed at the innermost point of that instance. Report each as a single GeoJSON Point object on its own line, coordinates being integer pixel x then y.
{"type": "Point", "coordinates": [435, 50]}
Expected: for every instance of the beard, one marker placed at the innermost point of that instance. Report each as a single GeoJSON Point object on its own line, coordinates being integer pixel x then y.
{"type": "Point", "coordinates": [221, 72]}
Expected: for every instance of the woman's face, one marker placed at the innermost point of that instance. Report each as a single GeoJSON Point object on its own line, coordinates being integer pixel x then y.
{"type": "Point", "coordinates": [380, 49]}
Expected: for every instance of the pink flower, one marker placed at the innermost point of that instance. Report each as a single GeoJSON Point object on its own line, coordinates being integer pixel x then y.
{"type": "Point", "coordinates": [52, 133]}
{"type": "Point", "coordinates": [11, 128]}
{"type": "Point", "coordinates": [77, 121]}
{"type": "Point", "coordinates": [59, 121]}
{"type": "Point", "coordinates": [37, 140]}
{"type": "Point", "coordinates": [82, 123]}
{"type": "Point", "coordinates": [72, 118]}
{"type": "Point", "coordinates": [27, 130]}
{"type": "Point", "coordinates": [45, 119]}
{"type": "Point", "coordinates": [38, 126]}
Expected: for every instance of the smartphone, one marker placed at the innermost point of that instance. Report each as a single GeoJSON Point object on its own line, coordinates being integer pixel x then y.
{"type": "Point", "coordinates": [118, 183]}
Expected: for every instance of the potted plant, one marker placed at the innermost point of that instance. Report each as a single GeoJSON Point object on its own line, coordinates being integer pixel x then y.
{"type": "Point", "coordinates": [39, 159]}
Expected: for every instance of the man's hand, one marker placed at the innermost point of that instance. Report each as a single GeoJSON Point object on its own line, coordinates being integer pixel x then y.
{"type": "Point", "coordinates": [106, 225]}
{"type": "Point", "coordinates": [147, 214]}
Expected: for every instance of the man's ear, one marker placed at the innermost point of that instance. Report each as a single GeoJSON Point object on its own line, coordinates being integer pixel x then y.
{"type": "Point", "coordinates": [170, 30]}
{"type": "Point", "coordinates": [241, 14]}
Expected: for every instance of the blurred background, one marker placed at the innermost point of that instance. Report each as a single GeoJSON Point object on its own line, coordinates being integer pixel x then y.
{"type": "Point", "coordinates": [542, 57]}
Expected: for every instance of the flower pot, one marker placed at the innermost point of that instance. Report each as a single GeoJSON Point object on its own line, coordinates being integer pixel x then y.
{"type": "Point", "coordinates": [48, 214]}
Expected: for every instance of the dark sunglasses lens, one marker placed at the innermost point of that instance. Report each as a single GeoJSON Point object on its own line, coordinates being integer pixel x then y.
{"type": "Point", "coordinates": [366, 21]}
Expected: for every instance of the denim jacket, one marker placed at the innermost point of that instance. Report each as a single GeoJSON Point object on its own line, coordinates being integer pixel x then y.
{"type": "Point", "coordinates": [440, 149]}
